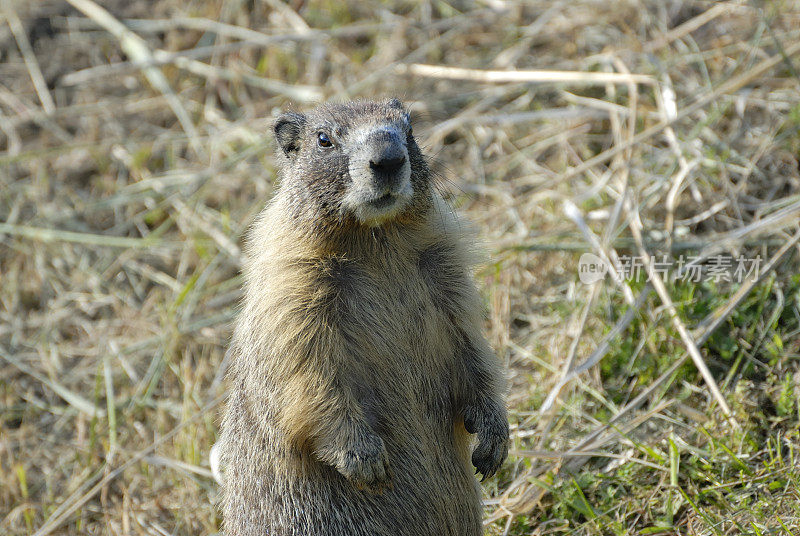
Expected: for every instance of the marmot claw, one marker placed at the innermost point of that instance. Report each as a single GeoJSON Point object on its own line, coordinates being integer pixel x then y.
{"type": "Point", "coordinates": [489, 455]}
{"type": "Point", "coordinates": [491, 425]}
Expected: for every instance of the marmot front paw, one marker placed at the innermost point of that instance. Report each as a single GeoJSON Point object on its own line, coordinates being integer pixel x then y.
{"type": "Point", "coordinates": [490, 423]}
{"type": "Point", "coordinates": [366, 465]}
{"type": "Point", "coordinates": [490, 454]}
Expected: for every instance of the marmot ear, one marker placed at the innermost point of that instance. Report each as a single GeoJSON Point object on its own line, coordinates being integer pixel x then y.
{"type": "Point", "coordinates": [288, 129]}
{"type": "Point", "coordinates": [395, 103]}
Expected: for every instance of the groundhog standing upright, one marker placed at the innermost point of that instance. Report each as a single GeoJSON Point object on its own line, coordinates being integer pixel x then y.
{"type": "Point", "coordinates": [358, 369]}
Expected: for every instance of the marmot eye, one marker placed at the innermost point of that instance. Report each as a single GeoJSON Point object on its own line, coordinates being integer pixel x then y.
{"type": "Point", "coordinates": [324, 141]}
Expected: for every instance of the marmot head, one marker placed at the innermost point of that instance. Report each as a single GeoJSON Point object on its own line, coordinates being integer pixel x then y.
{"type": "Point", "coordinates": [355, 162]}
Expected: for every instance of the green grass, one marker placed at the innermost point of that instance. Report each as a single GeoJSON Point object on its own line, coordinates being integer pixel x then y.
{"type": "Point", "coordinates": [693, 477]}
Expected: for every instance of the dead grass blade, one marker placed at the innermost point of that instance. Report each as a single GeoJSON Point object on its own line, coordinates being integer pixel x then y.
{"type": "Point", "coordinates": [79, 497]}
{"type": "Point", "coordinates": [30, 58]}
{"type": "Point", "coordinates": [528, 77]}
{"type": "Point", "coordinates": [729, 86]}
{"type": "Point", "coordinates": [635, 225]}
{"type": "Point", "coordinates": [135, 47]}
{"type": "Point", "coordinates": [73, 399]}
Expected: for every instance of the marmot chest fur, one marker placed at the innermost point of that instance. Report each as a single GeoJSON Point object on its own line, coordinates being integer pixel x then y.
{"type": "Point", "coordinates": [359, 369]}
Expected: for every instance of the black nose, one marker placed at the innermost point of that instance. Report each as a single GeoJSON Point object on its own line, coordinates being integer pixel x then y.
{"type": "Point", "coordinates": [388, 163]}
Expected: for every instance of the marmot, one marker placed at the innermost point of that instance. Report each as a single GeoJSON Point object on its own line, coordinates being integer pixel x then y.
{"type": "Point", "coordinates": [358, 368]}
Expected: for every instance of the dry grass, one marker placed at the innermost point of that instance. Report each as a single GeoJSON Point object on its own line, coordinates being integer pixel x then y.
{"type": "Point", "coordinates": [136, 150]}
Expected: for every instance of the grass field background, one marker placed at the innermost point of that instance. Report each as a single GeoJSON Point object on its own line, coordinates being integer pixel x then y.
{"type": "Point", "coordinates": [136, 148]}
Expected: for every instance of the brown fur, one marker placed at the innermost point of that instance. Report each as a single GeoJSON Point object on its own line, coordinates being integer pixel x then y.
{"type": "Point", "coordinates": [358, 369]}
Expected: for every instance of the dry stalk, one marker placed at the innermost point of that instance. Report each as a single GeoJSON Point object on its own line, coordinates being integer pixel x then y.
{"type": "Point", "coordinates": [80, 496]}
{"type": "Point", "coordinates": [729, 86]}
{"type": "Point", "coordinates": [30, 58]}
{"type": "Point", "coordinates": [529, 77]}
{"type": "Point", "coordinates": [635, 225]}
{"type": "Point", "coordinates": [137, 49]}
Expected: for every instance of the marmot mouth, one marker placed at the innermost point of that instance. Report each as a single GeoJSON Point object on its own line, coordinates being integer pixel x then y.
{"type": "Point", "coordinates": [383, 201]}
